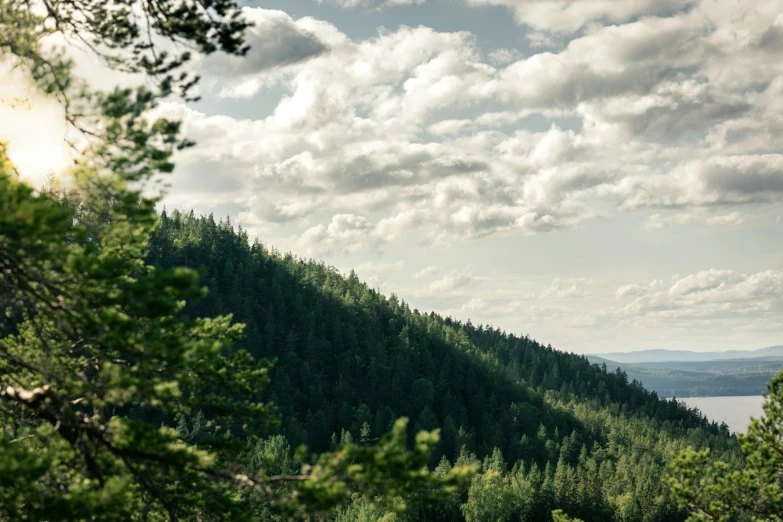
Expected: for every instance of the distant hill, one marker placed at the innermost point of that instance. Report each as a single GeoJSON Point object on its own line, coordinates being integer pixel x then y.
{"type": "Point", "coordinates": [645, 356]}
{"type": "Point", "coordinates": [711, 378]}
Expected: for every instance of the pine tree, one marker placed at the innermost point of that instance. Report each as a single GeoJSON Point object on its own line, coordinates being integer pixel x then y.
{"type": "Point", "coordinates": [98, 362]}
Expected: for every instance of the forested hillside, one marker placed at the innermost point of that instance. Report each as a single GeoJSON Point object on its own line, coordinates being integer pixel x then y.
{"type": "Point", "coordinates": [552, 429]}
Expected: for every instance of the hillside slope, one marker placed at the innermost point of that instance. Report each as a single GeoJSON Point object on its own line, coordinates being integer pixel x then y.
{"type": "Point", "coordinates": [350, 361]}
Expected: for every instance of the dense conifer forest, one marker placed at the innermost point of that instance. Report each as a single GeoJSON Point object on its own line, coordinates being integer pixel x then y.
{"type": "Point", "coordinates": [548, 429]}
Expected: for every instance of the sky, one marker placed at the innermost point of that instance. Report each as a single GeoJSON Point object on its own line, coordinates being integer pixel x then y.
{"type": "Point", "coordinates": [601, 175]}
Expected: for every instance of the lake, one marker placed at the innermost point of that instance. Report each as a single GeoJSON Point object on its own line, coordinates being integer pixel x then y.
{"type": "Point", "coordinates": [734, 411]}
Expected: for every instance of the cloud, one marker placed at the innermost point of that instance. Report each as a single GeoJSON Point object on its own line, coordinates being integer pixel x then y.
{"type": "Point", "coordinates": [503, 56]}
{"type": "Point", "coordinates": [632, 58]}
{"type": "Point", "coordinates": [377, 268]}
{"type": "Point", "coordinates": [276, 40]}
{"type": "Point", "coordinates": [659, 221]}
{"type": "Point", "coordinates": [474, 305]}
{"type": "Point", "coordinates": [366, 3]}
{"type": "Point", "coordinates": [427, 272]}
{"type": "Point", "coordinates": [376, 274]}
{"type": "Point", "coordinates": [710, 295]}
{"type": "Point", "coordinates": [627, 290]}
{"type": "Point", "coordinates": [709, 182]}
{"type": "Point", "coordinates": [439, 142]}
{"type": "Point", "coordinates": [345, 3]}
{"type": "Point", "coordinates": [345, 233]}
{"type": "Point", "coordinates": [564, 288]}
{"type": "Point", "coordinates": [451, 284]}
{"type": "Point", "coordinates": [637, 289]}
{"type": "Point", "coordinates": [567, 16]}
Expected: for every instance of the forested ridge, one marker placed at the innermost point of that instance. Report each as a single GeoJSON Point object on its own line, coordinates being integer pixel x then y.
{"type": "Point", "coordinates": [550, 429]}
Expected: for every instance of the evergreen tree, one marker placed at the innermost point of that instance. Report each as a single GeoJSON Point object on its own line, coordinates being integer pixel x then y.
{"type": "Point", "coordinates": [98, 364]}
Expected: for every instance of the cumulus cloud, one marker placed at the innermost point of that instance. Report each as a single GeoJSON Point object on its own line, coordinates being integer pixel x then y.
{"type": "Point", "coordinates": [659, 221]}
{"type": "Point", "coordinates": [636, 289]}
{"type": "Point", "coordinates": [428, 135]}
{"type": "Point", "coordinates": [345, 233]}
{"type": "Point", "coordinates": [376, 274]}
{"type": "Point", "coordinates": [474, 305]}
{"type": "Point", "coordinates": [713, 294]}
{"type": "Point", "coordinates": [707, 309]}
{"type": "Point", "coordinates": [452, 283]}
{"type": "Point", "coordinates": [503, 56]}
{"type": "Point", "coordinates": [565, 288]}
{"type": "Point", "coordinates": [568, 16]}
{"type": "Point", "coordinates": [713, 181]}
{"type": "Point", "coordinates": [366, 3]}
{"type": "Point", "coordinates": [276, 41]}
{"type": "Point", "coordinates": [427, 272]}
{"type": "Point", "coordinates": [725, 303]}
{"type": "Point", "coordinates": [380, 268]}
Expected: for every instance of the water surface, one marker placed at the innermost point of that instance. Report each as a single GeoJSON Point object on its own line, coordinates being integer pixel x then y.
{"type": "Point", "coordinates": [734, 411]}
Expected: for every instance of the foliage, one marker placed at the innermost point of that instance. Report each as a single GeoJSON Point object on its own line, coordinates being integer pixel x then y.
{"type": "Point", "coordinates": [113, 403]}
{"type": "Point", "coordinates": [573, 435]}
{"type": "Point", "coordinates": [152, 38]}
{"type": "Point", "coordinates": [712, 491]}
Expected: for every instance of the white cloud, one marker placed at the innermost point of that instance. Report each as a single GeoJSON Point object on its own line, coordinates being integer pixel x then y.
{"type": "Point", "coordinates": [627, 290]}
{"type": "Point", "coordinates": [345, 233]}
{"type": "Point", "coordinates": [380, 268]}
{"type": "Point", "coordinates": [453, 283]}
{"type": "Point", "coordinates": [427, 272]}
{"type": "Point", "coordinates": [568, 16]}
{"type": "Point", "coordinates": [642, 116]}
{"type": "Point", "coordinates": [714, 181]}
{"type": "Point", "coordinates": [503, 56]}
{"type": "Point", "coordinates": [367, 3]}
{"type": "Point", "coordinates": [659, 221]}
{"type": "Point", "coordinates": [737, 299]}
{"type": "Point", "coordinates": [430, 138]}
{"type": "Point", "coordinates": [474, 305]}
{"type": "Point", "coordinates": [276, 41]}
{"type": "Point", "coordinates": [569, 288]}
{"type": "Point", "coordinates": [637, 289]}
{"type": "Point", "coordinates": [345, 3]}
{"type": "Point", "coordinates": [376, 274]}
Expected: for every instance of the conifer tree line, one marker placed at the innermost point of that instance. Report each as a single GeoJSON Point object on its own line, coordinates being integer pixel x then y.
{"type": "Point", "coordinates": [547, 430]}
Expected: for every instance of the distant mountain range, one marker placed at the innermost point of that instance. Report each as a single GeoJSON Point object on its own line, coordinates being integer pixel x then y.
{"type": "Point", "coordinates": [683, 373]}
{"type": "Point", "coordinates": [647, 356]}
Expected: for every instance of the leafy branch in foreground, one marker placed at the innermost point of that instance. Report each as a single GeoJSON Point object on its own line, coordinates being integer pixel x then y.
{"type": "Point", "coordinates": [154, 38]}
{"type": "Point", "coordinates": [715, 491]}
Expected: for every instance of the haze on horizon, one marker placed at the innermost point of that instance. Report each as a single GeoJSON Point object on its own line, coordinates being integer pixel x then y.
{"type": "Point", "coordinates": [603, 176]}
